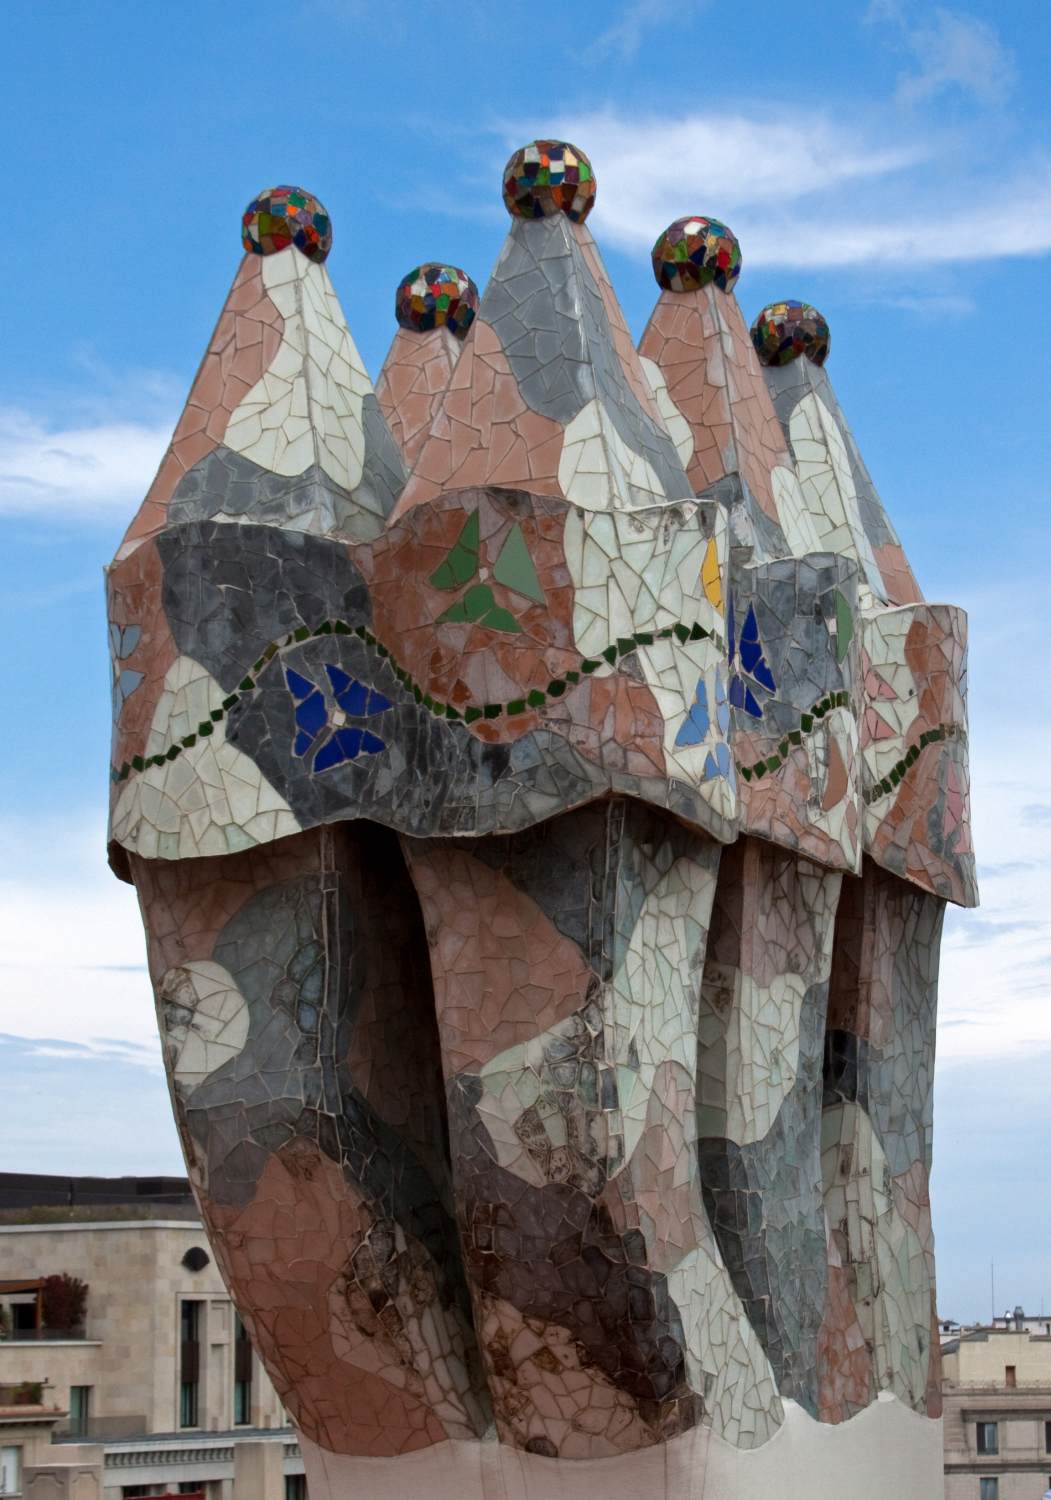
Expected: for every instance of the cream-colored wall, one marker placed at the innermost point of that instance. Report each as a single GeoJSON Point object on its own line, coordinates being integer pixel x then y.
{"type": "Point", "coordinates": [1012, 1486]}
{"type": "Point", "coordinates": [983, 1361]}
{"type": "Point", "coordinates": [131, 1357]}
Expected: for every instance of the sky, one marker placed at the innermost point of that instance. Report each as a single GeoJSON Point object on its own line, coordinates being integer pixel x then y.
{"type": "Point", "coordinates": [886, 160]}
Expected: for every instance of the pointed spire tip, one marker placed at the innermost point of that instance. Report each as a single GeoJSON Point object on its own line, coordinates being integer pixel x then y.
{"type": "Point", "coordinates": [694, 252]}
{"type": "Point", "coordinates": [279, 217]}
{"type": "Point", "coordinates": [547, 178]}
{"type": "Point", "coordinates": [785, 330]}
{"type": "Point", "coordinates": [436, 295]}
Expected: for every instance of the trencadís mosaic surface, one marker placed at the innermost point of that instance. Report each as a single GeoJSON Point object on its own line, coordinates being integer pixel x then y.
{"type": "Point", "coordinates": [543, 781]}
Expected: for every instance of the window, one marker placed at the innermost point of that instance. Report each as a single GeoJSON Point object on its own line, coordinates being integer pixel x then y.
{"type": "Point", "coordinates": [988, 1489]}
{"type": "Point", "coordinates": [189, 1362]}
{"type": "Point", "coordinates": [1010, 1377]}
{"type": "Point", "coordinates": [242, 1374]}
{"type": "Point", "coordinates": [988, 1437]}
{"type": "Point", "coordinates": [1047, 1441]}
{"type": "Point", "coordinates": [23, 1320]}
{"type": "Point", "coordinates": [10, 1471]}
{"type": "Point", "coordinates": [295, 1487]}
{"type": "Point", "coordinates": [79, 1409]}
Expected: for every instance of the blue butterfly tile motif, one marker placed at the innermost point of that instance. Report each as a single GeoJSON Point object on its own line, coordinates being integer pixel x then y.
{"type": "Point", "coordinates": [749, 650]}
{"type": "Point", "coordinates": [346, 742]}
{"type": "Point", "coordinates": [719, 761]}
{"type": "Point", "coordinates": [694, 728]}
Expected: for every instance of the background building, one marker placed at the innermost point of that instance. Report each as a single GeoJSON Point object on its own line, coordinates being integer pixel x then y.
{"type": "Point", "coordinates": [158, 1370]}
{"type": "Point", "coordinates": [997, 1388]}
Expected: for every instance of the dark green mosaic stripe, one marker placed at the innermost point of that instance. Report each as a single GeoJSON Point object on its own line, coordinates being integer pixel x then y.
{"type": "Point", "coordinates": [535, 698]}
{"type": "Point", "coordinates": [795, 736]}
{"type": "Point", "coordinates": [897, 772]}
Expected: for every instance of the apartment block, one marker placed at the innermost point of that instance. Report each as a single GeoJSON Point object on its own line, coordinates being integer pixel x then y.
{"type": "Point", "coordinates": [158, 1371]}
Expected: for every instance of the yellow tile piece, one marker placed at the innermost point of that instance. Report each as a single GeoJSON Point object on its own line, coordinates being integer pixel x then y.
{"type": "Point", "coordinates": [710, 575]}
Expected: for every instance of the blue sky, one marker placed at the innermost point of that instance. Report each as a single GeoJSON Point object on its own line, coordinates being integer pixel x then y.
{"type": "Point", "coordinates": [890, 162]}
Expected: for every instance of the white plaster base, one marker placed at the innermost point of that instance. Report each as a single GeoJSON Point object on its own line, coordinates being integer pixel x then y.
{"type": "Point", "coordinates": [887, 1450]}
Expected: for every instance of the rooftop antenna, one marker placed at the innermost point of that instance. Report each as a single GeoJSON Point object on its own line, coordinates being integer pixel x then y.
{"type": "Point", "coordinates": [992, 1291]}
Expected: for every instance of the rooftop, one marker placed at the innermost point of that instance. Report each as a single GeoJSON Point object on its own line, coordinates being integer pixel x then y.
{"type": "Point", "coordinates": [32, 1198]}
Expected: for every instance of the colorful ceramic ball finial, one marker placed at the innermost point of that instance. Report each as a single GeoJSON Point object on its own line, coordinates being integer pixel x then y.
{"type": "Point", "coordinates": [547, 178]}
{"type": "Point", "coordinates": [283, 216]}
{"type": "Point", "coordinates": [695, 251]}
{"type": "Point", "coordinates": [436, 296]}
{"type": "Point", "coordinates": [785, 330]}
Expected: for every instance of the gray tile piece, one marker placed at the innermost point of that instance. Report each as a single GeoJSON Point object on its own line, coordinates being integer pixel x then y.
{"type": "Point", "coordinates": [547, 310]}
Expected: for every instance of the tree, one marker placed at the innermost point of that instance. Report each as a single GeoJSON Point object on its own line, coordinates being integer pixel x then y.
{"type": "Point", "coordinates": [65, 1301]}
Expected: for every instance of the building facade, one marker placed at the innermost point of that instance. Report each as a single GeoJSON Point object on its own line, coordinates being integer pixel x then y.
{"type": "Point", "coordinates": [997, 1394]}
{"type": "Point", "coordinates": [160, 1371]}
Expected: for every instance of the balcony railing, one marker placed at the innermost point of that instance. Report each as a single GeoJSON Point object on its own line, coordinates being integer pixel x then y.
{"type": "Point", "coordinates": [25, 1392]}
{"type": "Point", "coordinates": [996, 1387]}
{"type": "Point", "coordinates": [42, 1335]}
{"type": "Point", "coordinates": [104, 1429]}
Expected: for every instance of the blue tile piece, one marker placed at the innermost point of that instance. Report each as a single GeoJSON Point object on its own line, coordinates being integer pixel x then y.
{"type": "Point", "coordinates": [298, 686]}
{"type": "Point", "coordinates": [753, 662]}
{"type": "Point", "coordinates": [347, 744]}
{"type": "Point", "coordinates": [722, 710]}
{"type": "Point", "coordinates": [311, 714]}
{"type": "Point", "coordinates": [694, 728]}
{"type": "Point", "coordinates": [127, 682]}
{"type": "Point", "coordinates": [123, 639]}
{"type": "Point", "coordinates": [764, 676]}
{"type": "Point", "coordinates": [751, 650]}
{"type": "Point", "coordinates": [353, 696]}
{"type": "Point", "coordinates": [718, 762]}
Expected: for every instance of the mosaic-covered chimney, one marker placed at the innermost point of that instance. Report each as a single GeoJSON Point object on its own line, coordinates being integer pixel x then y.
{"type": "Point", "coordinates": [543, 782]}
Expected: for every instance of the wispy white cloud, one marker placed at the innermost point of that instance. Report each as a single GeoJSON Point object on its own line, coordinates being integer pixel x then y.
{"type": "Point", "coordinates": [73, 956]}
{"type": "Point", "coordinates": [80, 470]}
{"type": "Point", "coordinates": [634, 19]}
{"type": "Point", "coordinates": [950, 51]}
{"type": "Point", "coordinates": [800, 188]}
{"type": "Point", "coordinates": [70, 1109]}
{"type": "Point", "coordinates": [995, 991]}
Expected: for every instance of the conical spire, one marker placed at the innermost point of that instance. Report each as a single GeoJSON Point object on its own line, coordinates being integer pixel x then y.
{"type": "Point", "coordinates": [435, 305]}
{"type": "Point", "coordinates": [792, 341]}
{"type": "Point", "coordinates": [710, 389]}
{"type": "Point", "coordinates": [548, 395]}
{"type": "Point", "coordinates": [281, 426]}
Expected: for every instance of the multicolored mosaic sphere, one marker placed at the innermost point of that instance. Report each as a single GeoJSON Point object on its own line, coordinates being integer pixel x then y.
{"type": "Point", "coordinates": [436, 296]}
{"type": "Point", "coordinates": [695, 251]}
{"type": "Point", "coordinates": [785, 330]}
{"type": "Point", "coordinates": [547, 178]}
{"type": "Point", "coordinates": [283, 216]}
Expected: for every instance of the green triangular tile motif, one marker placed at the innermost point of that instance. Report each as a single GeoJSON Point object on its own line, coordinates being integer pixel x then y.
{"type": "Point", "coordinates": [478, 607]}
{"type": "Point", "coordinates": [501, 619]}
{"type": "Point", "coordinates": [515, 569]}
{"type": "Point", "coordinates": [461, 561]}
{"type": "Point", "coordinates": [844, 627]}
